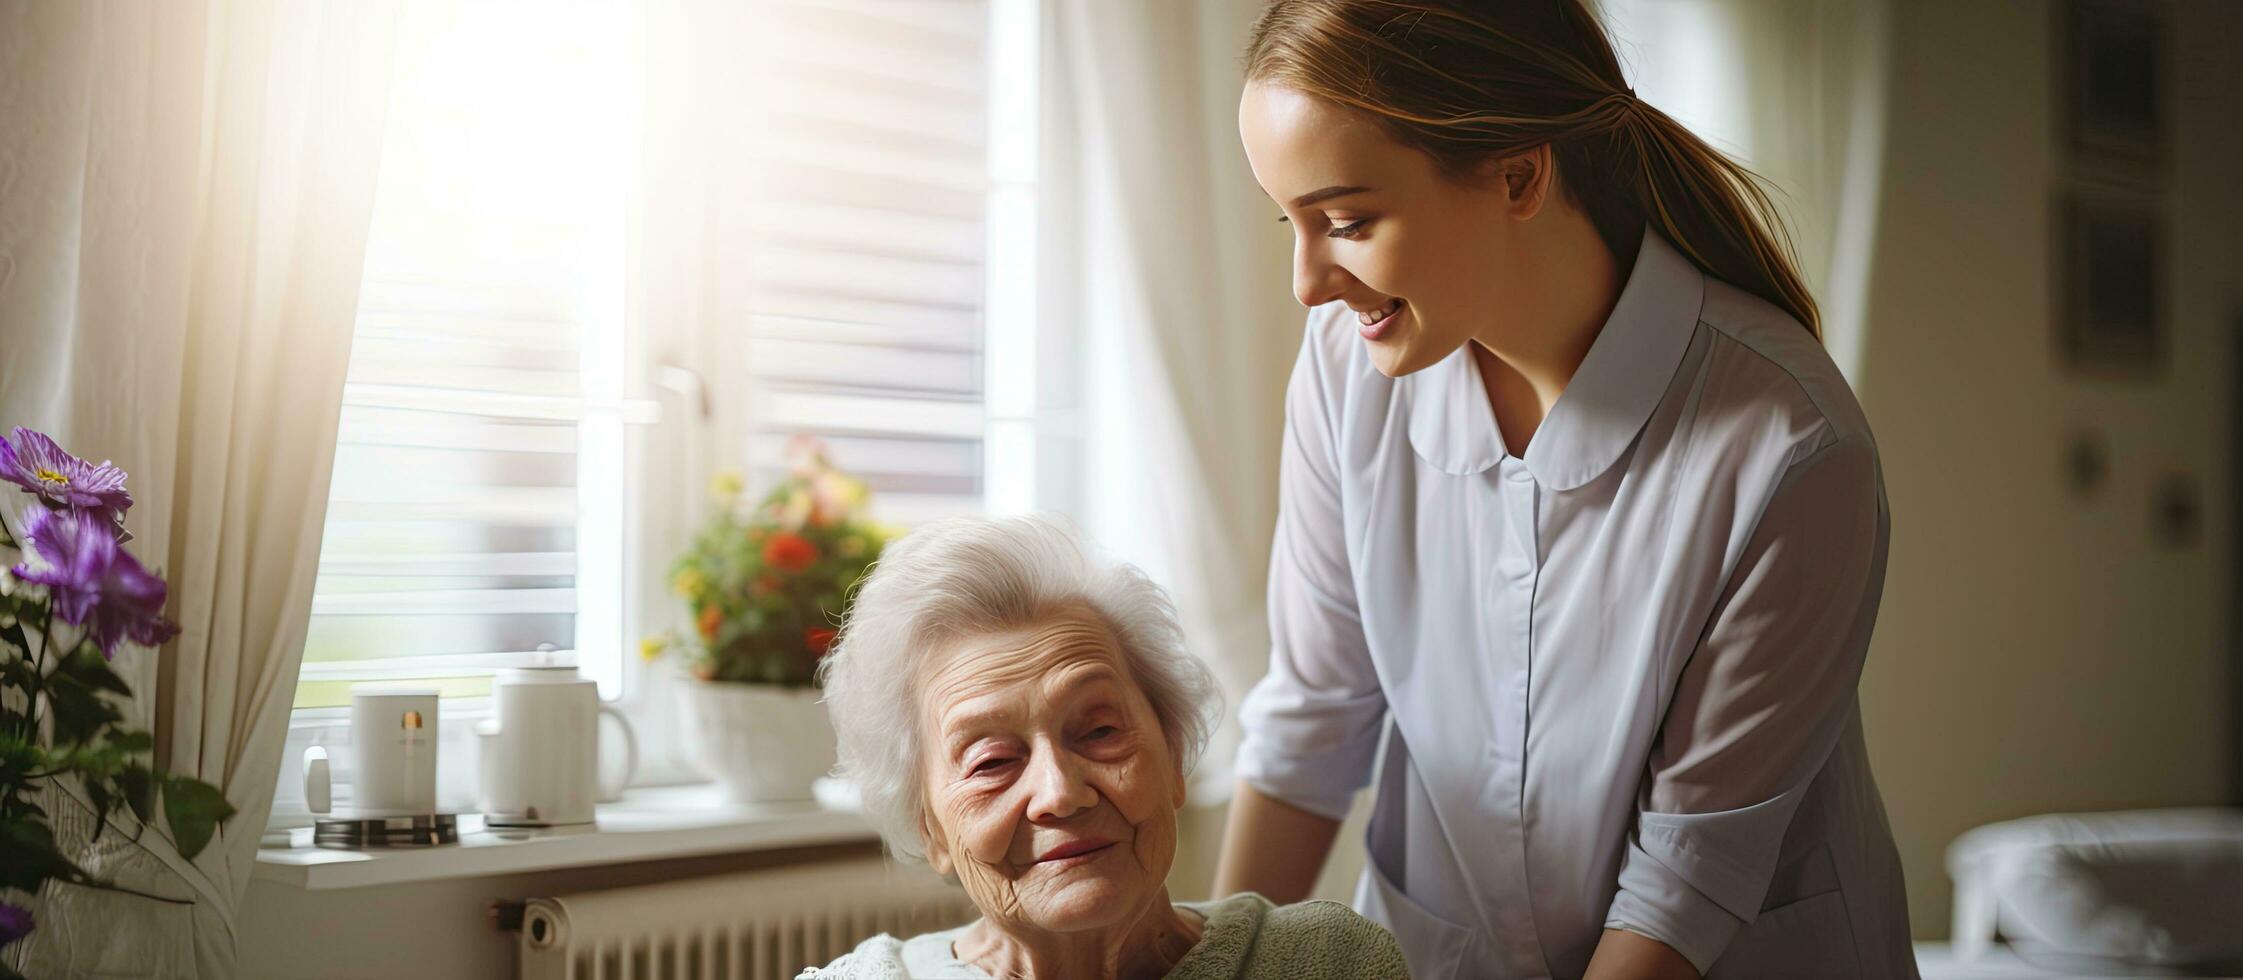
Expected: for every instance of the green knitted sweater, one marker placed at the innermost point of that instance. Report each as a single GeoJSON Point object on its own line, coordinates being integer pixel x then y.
{"type": "Point", "coordinates": [1245, 938]}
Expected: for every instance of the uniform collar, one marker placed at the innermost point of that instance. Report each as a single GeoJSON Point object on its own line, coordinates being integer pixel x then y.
{"type": "Point", "coordinates": [1608, 401]}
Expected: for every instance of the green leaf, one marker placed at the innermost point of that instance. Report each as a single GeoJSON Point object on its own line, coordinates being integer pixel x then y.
{"type": "Point", "coordinates": [18, 756]}
{"type": "Point", "coordinates": [16, 672]}
{"type": "Point", "coordinates": [133, 742]}
{"type": "Point", "coordinates": [89, 667]}
{"type": "Point", "coordinates": [79, 711]}
{"type": "Point", "coordinates": [139, 787]}
{"type": "Point", "coordinates": [28, 857]}
{"type": "Point", "coordinates": [194, 809]}
{"type": "Point", "coordinates": [103, 805]}
{"type": "Point", "coordinates": [12, 634]}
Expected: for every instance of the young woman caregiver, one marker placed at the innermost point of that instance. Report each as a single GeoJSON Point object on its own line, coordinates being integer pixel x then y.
{"type": "Point", "coordinates": [1580, 533]}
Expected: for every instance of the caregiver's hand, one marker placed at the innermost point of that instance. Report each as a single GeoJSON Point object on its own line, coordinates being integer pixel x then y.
{"type": "Point", "coordinates": [1623, 955]}
{"type": "Point", "coordinates": [1272, 847]}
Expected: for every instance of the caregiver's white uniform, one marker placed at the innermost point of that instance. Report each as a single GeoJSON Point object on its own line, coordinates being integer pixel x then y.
{"type": "Point", "coordinates": [1617, 676]}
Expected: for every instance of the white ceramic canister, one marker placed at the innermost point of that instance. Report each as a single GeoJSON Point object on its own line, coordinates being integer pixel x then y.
{"type": "Point", "coordinates": [393, 743]}
{"type": "Point", "coordinates": [541, 755]}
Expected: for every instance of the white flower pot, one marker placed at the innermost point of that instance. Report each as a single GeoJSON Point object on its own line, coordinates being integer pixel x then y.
{"type": "Point", "coordinates": [762, 743]}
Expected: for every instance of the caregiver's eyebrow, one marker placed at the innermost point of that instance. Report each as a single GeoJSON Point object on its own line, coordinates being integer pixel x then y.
{"type": "Point", "coordinates": [1326, 194]}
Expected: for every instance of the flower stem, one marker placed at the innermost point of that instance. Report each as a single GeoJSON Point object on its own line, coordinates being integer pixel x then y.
{"type": "Point", "coordinates": [39, 673]}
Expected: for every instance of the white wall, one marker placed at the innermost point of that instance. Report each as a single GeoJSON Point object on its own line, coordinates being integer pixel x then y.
{"type": "Point", "coordinates": [2038, 653]}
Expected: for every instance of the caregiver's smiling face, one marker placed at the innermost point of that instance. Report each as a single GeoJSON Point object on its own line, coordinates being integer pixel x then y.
{"type": "Point", "coordinates": [1419, 256]}
{"type": "Point", "coordinates": [1051, 787]}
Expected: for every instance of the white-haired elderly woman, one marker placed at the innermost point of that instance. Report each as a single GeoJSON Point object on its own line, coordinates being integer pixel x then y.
{"type": "Point", "coordinates": [1022, 715]}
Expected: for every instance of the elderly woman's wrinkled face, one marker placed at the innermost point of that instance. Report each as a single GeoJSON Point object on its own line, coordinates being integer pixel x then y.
{"type": "Point", "coordinates": [1051, 788]}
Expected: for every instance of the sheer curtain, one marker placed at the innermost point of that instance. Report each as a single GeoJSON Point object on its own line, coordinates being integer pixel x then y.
{"type": "Point", "coordinates": [1181, 286]}
{"type": "Point", "coordinates": [185, 189]}
{"type": "Point", "coordinates": [1796, 89]}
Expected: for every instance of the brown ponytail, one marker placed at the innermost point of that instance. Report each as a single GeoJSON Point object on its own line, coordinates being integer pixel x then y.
{"type": "Point", "coordinates": [1463, 81]}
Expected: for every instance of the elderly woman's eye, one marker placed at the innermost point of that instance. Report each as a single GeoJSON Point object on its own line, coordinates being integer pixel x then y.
{"type": "Point", "coordinates": [986, 766]}
{"type": "Point", "coordinates": [1102, 731]}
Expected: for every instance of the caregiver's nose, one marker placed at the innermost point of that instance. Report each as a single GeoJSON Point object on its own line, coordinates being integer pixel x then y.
{"type": "Point", "coordinates": [1316, 279]}
{"type": "Point", "coordinates": [1057, 787]}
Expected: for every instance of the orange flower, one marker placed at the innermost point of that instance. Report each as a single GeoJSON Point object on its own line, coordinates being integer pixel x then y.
{"type": "Point", "coordinates": [711, 618]}
{"type": "Point", "coordinates": [820, 639]}
{"type": "Point", "coordinates": [764, 586]}
{"type": "Point", "coordinates": [789, 553]}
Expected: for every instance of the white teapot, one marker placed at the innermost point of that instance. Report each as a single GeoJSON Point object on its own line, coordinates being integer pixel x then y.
{"type": "Point", "coordinates": [541, 755]}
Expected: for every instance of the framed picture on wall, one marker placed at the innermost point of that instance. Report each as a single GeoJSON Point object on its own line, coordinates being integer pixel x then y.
{"type": "Point", "coordinates": [2110, 275]}
{"type": "Point", "coordinates": [2112, 79]}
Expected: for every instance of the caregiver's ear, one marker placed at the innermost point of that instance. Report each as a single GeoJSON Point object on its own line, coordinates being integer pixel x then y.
{"type": "Point", "coordinates": [1525, 178]}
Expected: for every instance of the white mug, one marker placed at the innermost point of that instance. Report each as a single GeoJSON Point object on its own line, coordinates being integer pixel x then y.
{"type": "Point", "coordinates": [393, 747]}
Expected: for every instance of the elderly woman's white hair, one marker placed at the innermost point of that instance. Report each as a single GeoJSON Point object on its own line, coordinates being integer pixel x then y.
{"type": "Point", "coordinates": [974, 576]}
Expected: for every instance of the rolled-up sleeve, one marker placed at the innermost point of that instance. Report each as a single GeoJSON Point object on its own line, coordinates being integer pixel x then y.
{"type": "Point", "coordinates": [1311, 724]}
{"type": "Point", "coordinates": [1758, 707]}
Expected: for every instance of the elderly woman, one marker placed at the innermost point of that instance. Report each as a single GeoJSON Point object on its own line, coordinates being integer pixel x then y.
{"type": "Point", "coordinates": [1022, 716]}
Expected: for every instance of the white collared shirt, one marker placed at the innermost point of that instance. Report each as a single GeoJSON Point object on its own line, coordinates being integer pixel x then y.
{"type": "Point", "coordinates": [1617, 676]}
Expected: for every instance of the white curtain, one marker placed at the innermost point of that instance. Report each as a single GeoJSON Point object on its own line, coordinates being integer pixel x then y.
{"type": "Point", "coordinates": [1797, 90]}
{"type": "Point", "coordinates": [185, 190]}
{"type": "Point", "coordinates": [1180, 281]}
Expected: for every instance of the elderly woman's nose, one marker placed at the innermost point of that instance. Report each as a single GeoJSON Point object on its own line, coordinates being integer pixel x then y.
{"type": "Point", "coordinates": [1058, 787]}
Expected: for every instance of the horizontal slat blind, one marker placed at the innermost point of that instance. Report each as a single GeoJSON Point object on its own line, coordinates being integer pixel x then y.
{"type": "Point", "coordinates": [457, 527]}
{"type": "Point", "coordinates": [452, 539]}
{"type": "Point", "coordinates": [868, 212]}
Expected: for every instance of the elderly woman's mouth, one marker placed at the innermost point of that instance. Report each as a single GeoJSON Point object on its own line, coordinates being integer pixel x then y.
{"type": "Point", "coordinates": [1084, 849]}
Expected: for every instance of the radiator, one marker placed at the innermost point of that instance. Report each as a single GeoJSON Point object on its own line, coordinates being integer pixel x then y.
{"type": "Point", "coordinates": [759, 925]}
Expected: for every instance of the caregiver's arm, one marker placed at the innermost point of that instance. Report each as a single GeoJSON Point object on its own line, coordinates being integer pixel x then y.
{"type": "Point", "coordinates": [1624, 955]}
{"type": "Point", "coordinates": [1272, 847]}
{"type": "Point", "coordinates": [1758, 706]}
{"type": "Point", "coordinates": [1311, 725]}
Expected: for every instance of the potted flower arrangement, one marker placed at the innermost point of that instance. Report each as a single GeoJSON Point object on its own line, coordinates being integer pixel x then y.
{"type": "Point", "coordinates": [69, 598]}
{"type": "Point", "coordinates": [767, 584]}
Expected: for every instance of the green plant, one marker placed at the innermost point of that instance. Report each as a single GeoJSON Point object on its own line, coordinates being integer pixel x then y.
{"type": "Point", "coordinates": [76, 596]}
{"type": "Point", "coordinates": [769, 583]}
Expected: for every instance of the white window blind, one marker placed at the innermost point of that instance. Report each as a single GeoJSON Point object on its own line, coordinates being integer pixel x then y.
{"type": "Point", "coordinates": [882, 229]}
{"type": "Point", "coordinates": [886, 192]}
{"type": "Point", "coordinates": [474, 514]}
{"type": "Point", "coordinates": [478, 508]}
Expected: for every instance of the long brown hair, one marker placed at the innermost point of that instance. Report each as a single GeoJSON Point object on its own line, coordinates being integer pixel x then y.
{"type": "Point", "coordinates": [1467, 80]}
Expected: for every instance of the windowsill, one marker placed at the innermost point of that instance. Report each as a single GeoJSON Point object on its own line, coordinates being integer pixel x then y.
{"type": "Point", "coordinates": [646, 824]}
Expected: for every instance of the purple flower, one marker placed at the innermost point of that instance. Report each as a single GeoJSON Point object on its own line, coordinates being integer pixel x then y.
{"type": "Point", "coordinates": [35, 463]}
{"type": "Point", "coordinates": [92, 581]}
{"type": "Point", "coordinates": [15, 923]}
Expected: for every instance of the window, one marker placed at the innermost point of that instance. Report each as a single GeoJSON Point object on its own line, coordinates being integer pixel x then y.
{"type": "Point", "coordinates": [475, 511]}
{"type": "Point", "coordinates": [877, 265]}
{"type": "Point", "coordinates": [888, 271]}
